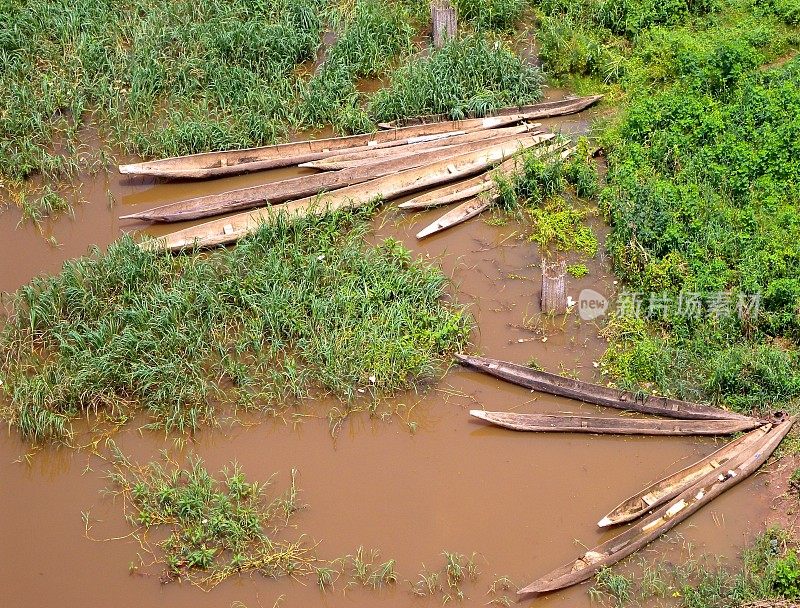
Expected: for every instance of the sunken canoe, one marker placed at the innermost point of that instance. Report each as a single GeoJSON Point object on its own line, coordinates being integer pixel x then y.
{"type": "Point", "coordinates": [613, 426]}
{"type": "Point", "coordinates": [547, 109]}
{"type": "Point", "coordinates": [595, 393]}
{"type": "Point", "coordinates": [669, 515]}
{"type": "Point", "coordinates": [656, 494]}
{"type": "Point", "coordinates": [348, 160]}
{"type": "Point", "coordinates": [232, 228]}
{"type": "Point", "coordinates": [299, 187]}
{"type": "Point", "coordinates": [217, 164]}
{"type": "Point", "coordinates": [472, 208]}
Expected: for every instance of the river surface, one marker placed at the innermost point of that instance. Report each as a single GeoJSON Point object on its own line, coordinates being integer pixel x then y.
{"type": "Point", "coordinates": [523, 502]}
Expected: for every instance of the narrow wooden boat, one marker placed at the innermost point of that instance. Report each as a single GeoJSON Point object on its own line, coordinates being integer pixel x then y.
{"type": "Point", "coordinates": [474, 207]}
{"type": "Point", "coordinates": [298, 187]}
{"type": "Point", "coordinates": [661, 491]}
{"type": "Point", "coordinates": [547, 109]}
{"type": "Point", "coordinates": [595, 393]}
{"type": "Point", "coordinates": [232, 228]}
{"type": "Point", "coordinates": [613, 426]}
{"type": "Point", "coordinates": [348, 160]}
{"type": "Point", "coordinates": [488, 137]}
{"type": "Point", "coordinates": [216, 164]}
{"type": "Point", "coordinates": [465, 211]}
{"type": "Point", "coordinates": [665, 518]}
{"type": "Point", "coordinates": [459, 191]}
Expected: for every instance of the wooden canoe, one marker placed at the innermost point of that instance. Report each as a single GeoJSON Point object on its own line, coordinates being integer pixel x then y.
{"type": "Point", "coordinates": [217, 164]}
{"type": "Point", "coordinates": [595, 393]}
{"type": "Point", "coordinates": [232, 228]}
{"type": "Point", "coordinates": [472, 208]}
{"type": "Point", "coordinates": [669, 515]}
{"type": "Point", "coordinates": [348, 160]}
{"type": "Point", "coordinates": [613, 426]}
{"type": "Point", "coordinates": [487, 137]}
{"type": "Point", "coordinates": [459, 191]}
{"type": "Point", "coordinates": [547, 109]}
{"type": "Point", "coordinates": [299, 187]}
{"type": "Point", "coordinates": [661, 491]}
{"type": "Point", "coordinates": [465, 211]}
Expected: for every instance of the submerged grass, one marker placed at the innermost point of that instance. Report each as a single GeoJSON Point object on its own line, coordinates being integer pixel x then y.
{"type": "Point", "coordinates": [215, 527]}
{"type": "Point", "coordinates": [301, 307]}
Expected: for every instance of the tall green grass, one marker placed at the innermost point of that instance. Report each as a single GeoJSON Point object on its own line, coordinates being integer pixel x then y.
{"type": "Point", "coordinates": [490, 15]}
{"type": "Point", "coordinates": [468, 75]}
{"type": "Point", "coordinates": [300, 308]}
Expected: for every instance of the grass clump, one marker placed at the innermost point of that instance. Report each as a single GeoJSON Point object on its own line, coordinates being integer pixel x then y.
{"type": "Point", "coordinates": [447, 582]}
{"type": "Point", "coordinates": [215, 526]}
{"type": "Point", "coordinates": [301, 307]}
{"type": "Point", "coordinates": [467, 76]}
{"type": "Point", "coordinates": [769, 576]}
{"type": "Point", "coordinates": [490, 15]}
{"type": "Point", "coordinates": [373, 34]}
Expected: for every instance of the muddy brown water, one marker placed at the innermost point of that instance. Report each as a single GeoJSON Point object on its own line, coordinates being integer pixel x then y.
{"type": "Point", "coordinates": [525, 503]}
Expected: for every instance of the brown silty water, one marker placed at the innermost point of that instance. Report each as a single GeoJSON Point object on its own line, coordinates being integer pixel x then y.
{"type": "Point", "coordinates": [524, 502]}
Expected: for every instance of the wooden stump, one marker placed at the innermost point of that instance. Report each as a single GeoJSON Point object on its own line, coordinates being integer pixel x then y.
{"type": "Point", "coordinates": [445, 25]}
{"type": "Point", "coordinates": [554, 287]}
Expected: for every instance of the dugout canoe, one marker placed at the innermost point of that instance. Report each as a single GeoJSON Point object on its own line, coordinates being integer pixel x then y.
{"type": "Point", "coordinates": [465, 211]}
{"type": "Point", "coordinates": [232, 228]}
{"type": "Point", "coordinates": [665, 518]}
{"type": "Point", "coordinates": [613, 426]}
{"type": "Point", "coordinates": [595, 393]}
{"type": "Point", "coordinates": [348, 160]}
{"type": "Point", "coordinates": [656, 494]}
{"type": "Point", "coordinates": [231, 162]}
{"type": "Point", "coordinates": [459, 191]}
{"type": "Point", "coordinates": [299, 187]}
{"type": "Point", "coordinates": [485, 137]}
{"type": "Point", "coordinates": [547, 109]}
{"type": "Point", "coordinates": [472, 208]}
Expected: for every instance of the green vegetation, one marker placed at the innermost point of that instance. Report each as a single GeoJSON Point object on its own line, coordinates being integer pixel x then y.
{"type": "Point", "coordinates": [215, 526]}
{"type": "Point", "coordinates": [490, 15]}
{"type": "Point", "coordinates": [80, 80]}
{"type": "Point", "coordinates": [770, 574]}
{"type": "Point", "coordinates": [703, 200]}
{"type": "Point", "coordinates": [300, 307]}
{"type": "Point", "coordinates": [577, 270]}
{"type": "Point", "coordinates": [468, 75]}
{"type": "Point", "coordinates": [447, 582]}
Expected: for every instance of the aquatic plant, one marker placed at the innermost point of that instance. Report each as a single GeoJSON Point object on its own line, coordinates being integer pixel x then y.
{"type": "Point", "coordinates": [299, 307]}
{"type": "Point", "coordinates": [215, 527]}
{"type": "Point", "coordinates": [467, 76]}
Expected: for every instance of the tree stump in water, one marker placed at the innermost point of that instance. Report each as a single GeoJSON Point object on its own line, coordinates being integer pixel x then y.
{"type": "Point", "coordinates": [443, 15]}
{"type": "Point", "coordinates": [554, 287]}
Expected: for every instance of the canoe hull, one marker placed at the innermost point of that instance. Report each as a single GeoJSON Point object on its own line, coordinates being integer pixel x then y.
{"type": "Point", "coordinates": [613, 426]}
{"type": "Point", "coordinates": [681, 507]}
{"type": "Point", "coordinates": [547, 109]}
{"type": "Point", "coordinates": [656, 494]}
{"type": "Point", "coordinates": [232, 162]}
{"type": "Point", "coordinates": [594, 393]}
